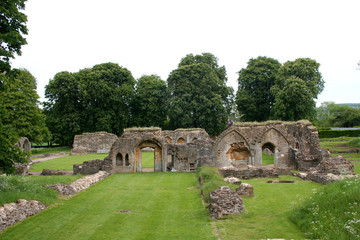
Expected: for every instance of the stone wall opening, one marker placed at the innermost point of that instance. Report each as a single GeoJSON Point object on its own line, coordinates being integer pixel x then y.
{"type": "Point", "coordinates": [157, 149]}
{"type": "Point", "coordinates": [119, 160]}
{"type": "Point", "coordinates": [268, 153]}
{"type": "Point", "coordinates": [148, 159]}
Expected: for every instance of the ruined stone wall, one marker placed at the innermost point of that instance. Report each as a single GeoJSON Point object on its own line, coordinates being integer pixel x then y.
{"type": "Point", "coordinates": [295, 146]}
{"type": "Point", "coordinates": [98, 142]}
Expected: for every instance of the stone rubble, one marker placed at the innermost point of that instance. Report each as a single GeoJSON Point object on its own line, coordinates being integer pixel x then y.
{"type": "Point", "coordinates": [47, 172]}
{"type": "Point", "coordinates": [232, 180]}
{"type": "Point", "coordinates": [245, 189]}
{"type": "Point", "coordinates": [224, 201]}
{"type": "Point", "coordinates": [12, 213]}
{"type": "Point", "coordinates": [79, 184]}
{"type": "Point", "coordinates": [254, 172]}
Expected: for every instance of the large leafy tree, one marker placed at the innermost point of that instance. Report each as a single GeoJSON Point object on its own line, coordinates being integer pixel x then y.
{"type": "Point", "coordinates": [304, 76]}
{"type": "Point", "coordinates": [198, 94]}
{"type": "Point", "coordinates": [150, 102]}
{"type": "Point", "coordinates": [294, 101]}
{"type": "Point", "coordinates": [96, 99]}
{"type": "Point", "coordinates": [254, 99]}
{"type": "Point", "coordinates": [63, 107]}
{"type": "Point", "coordinates": [12, 26]}
{"type": "Point", "coordinates": [21, 104]}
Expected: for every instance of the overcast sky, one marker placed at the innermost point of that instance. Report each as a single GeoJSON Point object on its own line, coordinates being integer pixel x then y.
{"type": "Point", "coordinates": [150, 37]}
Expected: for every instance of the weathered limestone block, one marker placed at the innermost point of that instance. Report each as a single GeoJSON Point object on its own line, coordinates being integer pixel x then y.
{"type": "Point", "coordinates": [245, 189]}
{"type": "Point", "coordinates": [224, 201]}
{"type": "Point", "coordinates": [232, 180]}
{"type": "Point", "coordinates": [21, 168]}
{"type": "Point", "coordinates": [12, 213]}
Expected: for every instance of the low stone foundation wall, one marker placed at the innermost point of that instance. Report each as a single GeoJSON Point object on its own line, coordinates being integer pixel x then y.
{"type": "Point", "coordinates": [47, 172]}
{"type": "Point", "coordinates": [248, 173]}
{"type": "Point", "coordinates": [224, 201]}
{"type": "Point", "coordinates": [12, 213]}
{"type": "Point", "coordinates": [92, 167]}
{"type": "Point", "coordinates": [80, 184]}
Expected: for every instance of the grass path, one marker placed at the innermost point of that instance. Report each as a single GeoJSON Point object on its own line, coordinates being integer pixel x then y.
{"type": "Point", "coordinates": [162, 207]}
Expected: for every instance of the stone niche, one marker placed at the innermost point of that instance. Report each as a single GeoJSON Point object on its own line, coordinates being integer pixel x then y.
{"type": "Point", "coordinates": [98, 142]}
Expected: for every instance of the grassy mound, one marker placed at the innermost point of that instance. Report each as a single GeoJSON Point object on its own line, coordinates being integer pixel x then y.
{"type": "Point", "coordinates": [31, 188]}
{"type": "Point", "coordinates": [211, 180]}
{"type": "Point", "coordinates": [332, 213]}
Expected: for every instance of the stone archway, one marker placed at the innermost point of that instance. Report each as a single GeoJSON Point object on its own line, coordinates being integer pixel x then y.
{"type": "Point", "coordinates": [157, 154]}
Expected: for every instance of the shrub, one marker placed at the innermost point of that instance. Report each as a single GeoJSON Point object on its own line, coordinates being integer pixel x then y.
{"type": "Point", "coordinates": [332, 213]}
{"type": "Point", "coordinates": [338, 133]}
{"type": "Point", "coordinates": [355, 143]}
{"type": "Point", "coordinates": [211, 180]}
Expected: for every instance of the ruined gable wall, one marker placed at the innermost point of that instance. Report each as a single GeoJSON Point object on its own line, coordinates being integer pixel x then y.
{"type": "Point", "coordinates": [98, 142]}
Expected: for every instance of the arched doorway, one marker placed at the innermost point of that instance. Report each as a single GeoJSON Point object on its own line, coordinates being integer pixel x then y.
{"type": "Point", "coordinates": [148, 156]}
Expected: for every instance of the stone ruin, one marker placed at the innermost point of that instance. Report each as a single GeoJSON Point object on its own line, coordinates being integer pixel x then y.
{"type": "Point", "coordinates": [25, 145]}
{"type": "Point", "coordinates": [223, 202]}
{"type": "Point", "coordinates": [98, 142]}
{"type": "Point", "coordinates": [236, 152]}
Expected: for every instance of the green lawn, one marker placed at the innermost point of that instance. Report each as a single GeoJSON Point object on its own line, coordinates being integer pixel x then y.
{"type": "Point", "coordinates": [162, 205]}
{"type": "Point", "coordinates": [65, 163]}
{"type": "Point", "coordinates": [267, 213]}
{"type": "Point", "coordinates": [35, 151]}
{"type": "Point", "coordinates": [147, 159]}
{"type": "Point", "coordinates": [31, 188]}
{"type": "Point", "coordinates": [267, 159]}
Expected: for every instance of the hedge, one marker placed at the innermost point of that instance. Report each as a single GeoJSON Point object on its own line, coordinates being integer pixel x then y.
{"type": "Point", "coordinates": [338, 133]}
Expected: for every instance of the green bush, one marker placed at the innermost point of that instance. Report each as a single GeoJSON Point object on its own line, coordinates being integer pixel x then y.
{"type": "Point", "coordinates": [338, 133]}
{"type": "Point", "coordinates": [332, 213]}
{"type": "Point", "coordinates": [355, 143]}
{"type": "Point", "coordinates": [211, 180]}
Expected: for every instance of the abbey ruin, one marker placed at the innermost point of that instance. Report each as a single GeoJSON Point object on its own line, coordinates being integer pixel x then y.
{"type": "Point", "coordinates": [295, 145]}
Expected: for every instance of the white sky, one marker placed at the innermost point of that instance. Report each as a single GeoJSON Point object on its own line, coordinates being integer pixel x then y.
{"type": "Point", "coordinates": [150, 37]}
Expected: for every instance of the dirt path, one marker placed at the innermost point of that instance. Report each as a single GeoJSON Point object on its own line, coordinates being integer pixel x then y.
{"type": "Point", "coordinates": [42, 159]}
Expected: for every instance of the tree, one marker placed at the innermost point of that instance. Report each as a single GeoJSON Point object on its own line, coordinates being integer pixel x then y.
{"type": "Point", "coordinates": [294, 101]}
{"type": "Point", "coordinates": [96, 99]}
{"type": "Point", "coordinates": [150, 102]}
{"type": "Point", "coordinates": [12, 26]}
{"type": "Point", "coordinates": [307, 70]}
{"type": "Point", "coordinates": [254, 99]}
{"type": "Point", "coordinates": [63, 108]}
{"type": "Point", "coordinates": [330, 114]}
{"type": "Point", "coordinates": [21, 103]}
{"type": "Point", "coordinates": [198, 96]}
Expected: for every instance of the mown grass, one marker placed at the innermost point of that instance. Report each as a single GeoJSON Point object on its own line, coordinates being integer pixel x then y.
{"type": "Point", "coordinates": [266, 214]}
{"type": "Point", "coordinates": [31, 188]}
{"type": "Point", "coordinates": [267, 159]}
{"type": "Point", "coordinates": [36, 151]}
{"type": "Point", "coordinates": [147, 159]}
{"type": "Point", "coordinates": [161, 205]}
{"type": "Point", "coordinates": [65, 163]}
{"type": "Point", "coordinates": [333, 212]}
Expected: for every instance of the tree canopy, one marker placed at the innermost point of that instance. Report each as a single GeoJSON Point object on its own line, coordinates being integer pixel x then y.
{"type": "Point", "coordinates": [330, 114]}
{"type": "Point", "coordinates": [23, 115]}
{"type": "Point", "coordinates": [150, 102]}
{"type": "Point", "coordinates": [253, 98]}
{"type": "Point", "coordinates": [96, 99]}
{"type": "Point", "coordinates": [198, 96]}
{"type": "Point", "coordinates": [12, 29]}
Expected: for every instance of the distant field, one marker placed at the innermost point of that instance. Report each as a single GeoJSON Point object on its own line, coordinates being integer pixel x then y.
{"type": "Point", "coordinates": [35, 151]}
{"type": "Point", "coordinates": [65, 163]}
